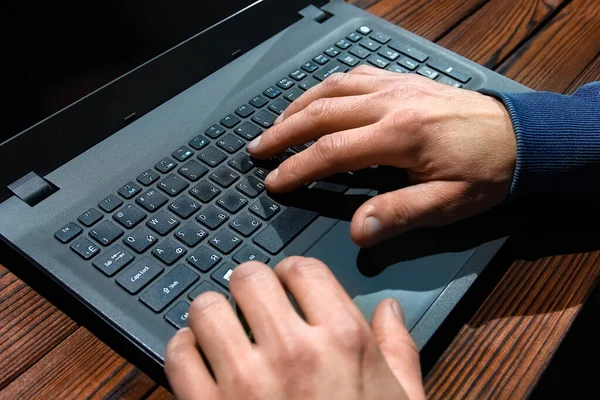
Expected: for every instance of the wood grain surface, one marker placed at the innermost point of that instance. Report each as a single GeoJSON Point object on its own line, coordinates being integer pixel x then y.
{"type": "Point", "coordinates": [503, 349]}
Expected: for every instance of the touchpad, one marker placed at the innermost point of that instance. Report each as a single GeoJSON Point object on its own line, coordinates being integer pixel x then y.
{"type": "Point", "coordinates": [413, 268]}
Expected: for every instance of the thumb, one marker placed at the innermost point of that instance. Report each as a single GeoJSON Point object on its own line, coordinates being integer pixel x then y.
{"type": "Point", "coordinates": [398, 348]}
{"type": "Point", "coordinates": [425, 204]}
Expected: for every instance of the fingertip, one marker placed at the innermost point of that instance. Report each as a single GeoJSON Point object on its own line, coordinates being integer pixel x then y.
{"type": "Point", "coordinates": [366, 228]}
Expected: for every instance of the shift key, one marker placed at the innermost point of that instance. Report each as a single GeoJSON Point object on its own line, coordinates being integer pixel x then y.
{"type": "Point", "coordinates": [284, 229]}
{"type": "Point", "coordinates": [169, 287]}
{"type": "Point", "coordinates": [330, 69]}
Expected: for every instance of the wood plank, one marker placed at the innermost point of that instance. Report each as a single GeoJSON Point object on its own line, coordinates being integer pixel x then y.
{"type": "Point", "coordinates": [498, 28]}
{"type": "Point", "coordinates": [80, 367]}
{"type": "Point", "coordinates": [590, 74]}
{"type": "Point", "coordinates": [29, 327]}
{"type": "Point", "coordinates": [161, 394]}
{"type": "Point", "coordinates": [555, 56]}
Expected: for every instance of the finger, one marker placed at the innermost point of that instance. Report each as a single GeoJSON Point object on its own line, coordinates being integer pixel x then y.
{"type": "Point", "coordinates": [398, 347]}
{"type": "Point", "coordinates": [426, 204]}
{"type": "Point", "coordinates": [317, 292]}
{"type": "Point", "coordinates": [219, 332]}
{"type": "Point", "coordinates": [323, 116]}
{"type": "Point", "coordinates": [264, 303]}
{"type": "Point", "coordinates": [187, 374]}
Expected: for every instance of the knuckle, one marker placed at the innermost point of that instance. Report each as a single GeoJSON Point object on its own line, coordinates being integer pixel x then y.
{"type": "Point", "coordinates": [245, 383]}
{"type": "Point", "coordinates": [363, 69]}
{"type": "Point", "coordinates": [335, 80]}
{"type": "Point", "coordinates": [326, 148]}
{"type": "Point", "coordinates": [401, 213]}
{"type": "Point", "coordinates": [318, 109]}
{"type": "Point", "coordinates": [351, 335]}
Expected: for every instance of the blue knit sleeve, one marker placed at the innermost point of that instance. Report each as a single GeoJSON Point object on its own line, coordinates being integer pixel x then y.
{"type": "Point", "coordinates": [558, 140]}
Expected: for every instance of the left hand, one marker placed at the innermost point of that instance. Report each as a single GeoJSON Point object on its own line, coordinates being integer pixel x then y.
{"type": "Point", "coordinates": [334, 354]}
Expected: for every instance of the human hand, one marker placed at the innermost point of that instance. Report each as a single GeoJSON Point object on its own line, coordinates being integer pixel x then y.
{"type": "Point", "coordinates": [331, 354]}
{"type": "Point", "coordinates": [457, 146]}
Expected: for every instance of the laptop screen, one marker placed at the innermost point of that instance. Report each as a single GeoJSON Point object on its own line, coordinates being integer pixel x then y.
{"type": "Point", "coordinates": [67, 49]}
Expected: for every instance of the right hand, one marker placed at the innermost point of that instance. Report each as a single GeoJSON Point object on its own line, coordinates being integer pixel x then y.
{"type": "Point", "coordinates": [458, 147]}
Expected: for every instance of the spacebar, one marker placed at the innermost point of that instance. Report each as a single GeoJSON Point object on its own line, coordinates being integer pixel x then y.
{"type": "Point", "coordinates": [284, 228]}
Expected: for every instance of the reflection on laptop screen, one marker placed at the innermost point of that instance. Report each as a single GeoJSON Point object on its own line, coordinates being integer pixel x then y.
{"type": "Point", "coordinates": [67, 49]}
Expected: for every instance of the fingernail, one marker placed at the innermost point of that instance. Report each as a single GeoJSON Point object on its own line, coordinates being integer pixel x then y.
{"type": "Point", "coordinates": [372, 229]}
{"type": "Point", "coordinates": [398, 310]}
{"type": "Point", "coordinates": [279, 119]}
{"type": "Point", "coordinates": [254, 144]}
{"type": "Point", "coordinates": [272, 176]}
{"type": "Point", "coordinates": [183, 330]}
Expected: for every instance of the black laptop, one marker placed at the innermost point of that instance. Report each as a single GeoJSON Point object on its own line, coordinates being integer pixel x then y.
{"type": "Point", "coordinates": [126, 189]}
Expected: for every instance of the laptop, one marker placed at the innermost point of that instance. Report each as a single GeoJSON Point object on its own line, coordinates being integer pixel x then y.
{"type": "Point", "coordinates": [126, 187]}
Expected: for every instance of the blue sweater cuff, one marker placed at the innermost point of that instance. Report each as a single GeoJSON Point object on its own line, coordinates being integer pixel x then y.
{"type": "Point", "coordinates": [558, 140]}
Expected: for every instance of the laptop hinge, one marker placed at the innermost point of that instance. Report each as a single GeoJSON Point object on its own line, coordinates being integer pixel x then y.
{"type": "Point", "coordinates": [315, 13]}
{"type": "Point", "coordinates": [32, 188]}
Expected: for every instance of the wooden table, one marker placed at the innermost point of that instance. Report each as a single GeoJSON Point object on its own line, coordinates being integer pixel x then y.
{"type": "Point", "coordinates": [505, 345]}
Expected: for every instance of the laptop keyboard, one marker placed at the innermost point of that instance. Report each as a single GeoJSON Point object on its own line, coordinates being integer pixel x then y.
{"type": "Point", "coordinates": [179, 228]}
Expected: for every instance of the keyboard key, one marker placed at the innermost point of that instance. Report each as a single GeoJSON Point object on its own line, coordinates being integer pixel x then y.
{"type": "Point", "coordinates": [212, 217]}
{"type": "Point", "coordinates": [365, 30]}
{"type": "Point", "coordinates": [68, 232]}
{"type": "Point", "coordinates": [232, 202]}
{"type": "Point", "coordinates": [259, 101]}
{"type": "Point", "coordinates": [428, 72]}
{"type": "Point", "coordinates": [178, 315]}
{"type": "Point", "coordinates": [450, 70]}
{"type": "Point", "coordinates": [321, 59]}
{"type": "Point", "coordinates": [205, 191]}
{"type": "Point", "coordinates": [165, 165]}
{"type": "Point", "coordinates": [285, 83]}
{"type": "Point", "coordinates": [90, 217]}
{"type": "Point", "coordinates": [248, 130]}
{"type": "Point", "coordinates": [409, 51]}
{"type": "Point", "coordinates": [329, 187]}
{"type": "Point", "coordinates": [147, 178]}
{"type": "Point", "coordinates": [298, 75]}
{"type": "Point", "coordinates": [293, 94]}
{"type": "Point", "coordinates": [284, 229]}
{"type": "Point", "coordinates": [169, 287]}
{"type": "Point", "coordinates": [152, 200]}
{"type": "Point", "coordinates": [264, 118]}
{"type": "Point", "coordinates": [343, 44]}
{"type": "Point", "coordinates": [272, 92]}
{"type": "Point", "coordinates": [332, 52]}
{"type": "Point", "coordinates": [111, 203]}
{"type": "Point", "coordinates": [106, 233]}
{"type": "Point", "coordinates": [354, 37]}
{"type": "Point", "coordinates": [349, 60]}
{"type": "Point", "coordinates": [408, 63]}
{"type": "Point", "coordinates": [398, 69]}
{"type": "Point", "coordinates": [203, 287]}
{"type": "Point", "coordinates": [378, 61]}
{"type": "Point", "coordinates": [278, 106]}
{"type": "Point", "coordinates": [199, 142]}
{"type": "Point", "coordinates": [225, 241]}
{"type": "Point", "coordinates": [251, 186]}
{"type": "Point", "coordinates": [184, 206]}
{"type": "Point", "coordinates": [224, 176]}
{"type": "Point", "coordinates": [265, 208]}
{"type": "Point", "coordinates": [84, 248]}
{"type": "Point", "coordinates": [380, 37]}
{"type": "Point", "coordinates": [244, 111]}
{"type": "Point", "coordinates": [169, 251]}
{"type": "Point", "coordinates": [162, 223]}
{"type": "Point", "coordinates": [245, 224]}
{"type": "Point", "coordinates": [182, 153]}
{"type": "Point", "coordinates": [172, 185]}
{"type": "Point", "coordinates": [370, 45]}
{"type": "Point", "coordinates": [359, 52]}
{"type": "Point", "coordinates": [389, 54]}
{"type": "Point", "coordinates": [229, 121]}
{"type": "Point", "coordinates": [113, 260]}
{"type": "Point", "coordinates": [223, 274]}
{"type": "Point", "coordinates": [330, 69]}
{"type": "Point", "coordinates": [204, 258]}
{"type": "Point", "coordinates": [250, 253]}
{"type": "Point", "coordinates": [129, 216]}
{"type": "Point", "coordinates": [129, 190]}
{"type": "Point", "coordinates": [242, 163]}
{"type": "Point", "coordinates": [309, 67]}
{"type": "Point", "coordinates": [191, 234]}
{"type": "Point", "coordinates": [308, 84]}
{"type": "Point", "coordinates": [214, 131]}
{"type": "Point", "coordinates": [448, 81]}
{"type": "Point", "coordinates": [193, 170]}
{"type": "Point", "coordinates": [230, 143]}
{"type": "Point", "coordinates": [262, 172]}
{"type": "Point", "coordinates": [211, 156]}
{"type": "Point", "coordinates": [140, 240]}
{"type": "Point", "coordinates": [139, 274]}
